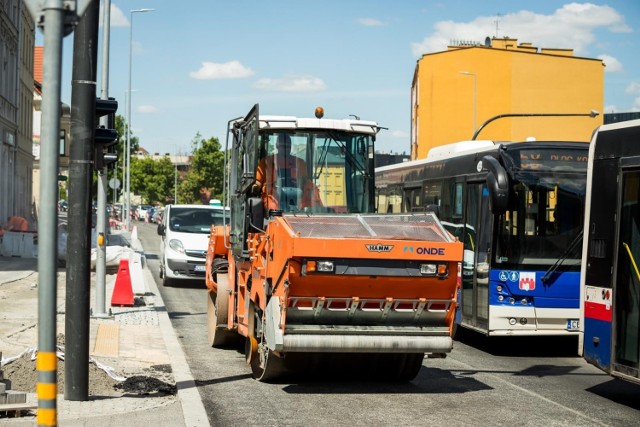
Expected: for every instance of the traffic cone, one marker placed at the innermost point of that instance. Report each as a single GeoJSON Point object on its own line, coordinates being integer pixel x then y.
{"type": "Point", "coordinates": [122, 291]}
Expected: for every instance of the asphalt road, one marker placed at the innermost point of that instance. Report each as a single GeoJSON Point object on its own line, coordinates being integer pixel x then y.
{"type": "Point", "coordinates": [505, 381]}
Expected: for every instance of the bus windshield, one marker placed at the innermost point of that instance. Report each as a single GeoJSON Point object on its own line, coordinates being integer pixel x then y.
{"type": "Point", "coordinates": [544, 217]}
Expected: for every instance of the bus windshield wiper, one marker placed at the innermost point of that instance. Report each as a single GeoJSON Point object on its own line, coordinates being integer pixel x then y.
{"type": "Point", "coordinates": [562, 258]}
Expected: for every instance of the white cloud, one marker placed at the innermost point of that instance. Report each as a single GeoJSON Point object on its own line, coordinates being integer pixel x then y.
{"type": "Point", "coordinates": [633, 88]}
{"type": "Point", "coordinates": [117, 17]}
{"type": "Point", "coordinates": [612, 64]}
{"type": "Point", "coordinates": [636, 104]}
{"type": "Point", "coordinates": [370, 22]}
{"type": "Point", "coordinates": [572, 27]}
{"type": "Point", "coordinates": [228, 70]}
{"type": "Point", "coordinates": [146, 109]}
{"type": "Point", "coordinates": [292, 84]}
{"type": "Point", "coordinates": [609, 109]}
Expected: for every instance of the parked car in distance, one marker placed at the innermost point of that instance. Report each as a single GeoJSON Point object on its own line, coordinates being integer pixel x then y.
{"type": "Point", "coordinates": [63, 206]}
{"type": "Point", "coordinates": [185, 238]}
{"type": "Point", "coordinates": [157, 215]}
{"type": "Point", "coordinates": [142, 211]}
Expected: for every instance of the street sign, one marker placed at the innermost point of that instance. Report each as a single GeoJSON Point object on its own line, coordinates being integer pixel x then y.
{"type": "Point", "coordinates": [114, 183]}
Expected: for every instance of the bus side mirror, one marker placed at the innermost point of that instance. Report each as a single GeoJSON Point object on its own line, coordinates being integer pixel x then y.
{"type": "Point", "coordinates": [160, 229]}
{"type": "Point", "coordinates": [497, 184]}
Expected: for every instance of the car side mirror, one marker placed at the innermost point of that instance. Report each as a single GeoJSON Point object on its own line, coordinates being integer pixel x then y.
{"type": "Point", "coordinates": [160, 229]}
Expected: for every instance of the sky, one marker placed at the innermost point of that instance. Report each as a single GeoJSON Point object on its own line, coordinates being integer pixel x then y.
{"type": "Point", "coordinates": [198, 64]}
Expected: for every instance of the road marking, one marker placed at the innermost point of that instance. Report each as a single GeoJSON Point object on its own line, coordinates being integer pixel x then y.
{"type": "Point", "coordinates": [532, 393]}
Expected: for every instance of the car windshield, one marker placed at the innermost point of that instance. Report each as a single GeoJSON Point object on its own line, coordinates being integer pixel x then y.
{"type": "Point", "coordinates": [196, 220]}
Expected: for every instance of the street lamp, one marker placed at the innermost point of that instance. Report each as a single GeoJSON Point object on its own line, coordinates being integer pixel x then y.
{"type": "Point", "coordinates": [128, 150]}
{"type": "Point", "coordinates": [475, 92]}
{"type": "Point", "coordinates": [592, 114]}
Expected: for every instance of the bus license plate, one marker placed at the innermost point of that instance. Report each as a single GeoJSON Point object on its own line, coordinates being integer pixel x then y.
{"type": "Point", "coordinates": [573, 325]}
{"type": "Point", "coordinates": [199, 268]}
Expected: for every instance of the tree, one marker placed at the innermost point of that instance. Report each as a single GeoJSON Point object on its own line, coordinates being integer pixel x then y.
{"type": "Point", "coordinates": [205, 178]}
{"type": "Point", "coordinates": [152, 179]}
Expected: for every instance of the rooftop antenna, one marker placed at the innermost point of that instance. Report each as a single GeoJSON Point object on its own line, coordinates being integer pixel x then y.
{"type": "Point", "coordinates": [497, 21]}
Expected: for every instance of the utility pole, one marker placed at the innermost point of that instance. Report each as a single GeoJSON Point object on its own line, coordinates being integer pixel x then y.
{"type": "Point", "coordinates": [101, 225]}
{"type": "Point", "coordinates": [83, 110]}
{"type": "Point", "coordinates": [60, 18]}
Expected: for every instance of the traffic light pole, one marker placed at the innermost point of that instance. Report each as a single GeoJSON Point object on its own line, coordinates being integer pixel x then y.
{"type": "Point", "coordinates": [77, 306]}
{"type": "Point", "coordinates": [101, 226]}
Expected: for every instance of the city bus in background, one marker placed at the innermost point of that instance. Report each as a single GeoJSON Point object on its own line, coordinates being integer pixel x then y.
{"type": "Point", "coordinates": [518, 208]}
{"type": "Point", "coordinates": [610, 297]}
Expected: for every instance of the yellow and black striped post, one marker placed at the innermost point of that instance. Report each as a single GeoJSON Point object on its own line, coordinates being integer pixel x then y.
{"type": "Point", "coordinates": [54, 16]}
{"type": "Point", "coordinates": [47, 388]}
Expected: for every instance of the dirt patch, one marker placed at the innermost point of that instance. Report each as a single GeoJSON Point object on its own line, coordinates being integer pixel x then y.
{"type": "Point", "coordinates": [21, 375]}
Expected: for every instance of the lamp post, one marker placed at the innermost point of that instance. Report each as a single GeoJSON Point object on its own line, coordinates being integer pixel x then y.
{"type": "Point", "coordinates": [128, 150]}
{"type": "Point", "coordinates": [592, 114]}
{"type": "Point", "coordinates": [475, 93]}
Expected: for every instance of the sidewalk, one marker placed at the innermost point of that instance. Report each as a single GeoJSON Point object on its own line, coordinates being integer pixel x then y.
{"type": "Point", "coordinates": [136, 341]}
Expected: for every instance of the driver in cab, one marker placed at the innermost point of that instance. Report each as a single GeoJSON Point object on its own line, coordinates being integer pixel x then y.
{"type": "Point", "coordinates": [283, 178]}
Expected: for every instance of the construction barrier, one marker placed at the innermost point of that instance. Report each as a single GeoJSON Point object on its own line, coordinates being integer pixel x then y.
{"type": "Point", "coordinates": [137, 278]}
{"type": "Point", "coordinates": [122, 291]}
{"type": "Point", "coordinates": [23, 244]}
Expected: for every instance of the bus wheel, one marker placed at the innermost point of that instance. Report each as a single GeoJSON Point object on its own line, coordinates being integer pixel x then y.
{"type": "Point", "coordinates": [455, 331]}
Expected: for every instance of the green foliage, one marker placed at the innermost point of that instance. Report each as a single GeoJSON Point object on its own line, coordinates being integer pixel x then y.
{"type": "Point", "coordinates": [153, 179]}
{"type": "Point", "coordinates": [204, 180]}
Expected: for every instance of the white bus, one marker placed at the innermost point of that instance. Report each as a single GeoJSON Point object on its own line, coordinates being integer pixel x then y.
{"type": "Point", "coordinates": [518, 209]}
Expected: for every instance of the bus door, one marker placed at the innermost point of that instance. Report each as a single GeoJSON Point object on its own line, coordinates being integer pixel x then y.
{"type": "Point", "coordinates": [475, 270]}
{"type": "Point", "coordinates": [626, 292]}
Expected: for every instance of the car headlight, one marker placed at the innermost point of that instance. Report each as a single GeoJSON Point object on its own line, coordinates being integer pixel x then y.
{"type": "Point", "coordinates": [176, 245]}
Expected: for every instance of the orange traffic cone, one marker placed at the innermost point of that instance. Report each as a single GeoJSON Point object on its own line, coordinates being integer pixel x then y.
{"type": "Point", "coordinates": [122, 291]}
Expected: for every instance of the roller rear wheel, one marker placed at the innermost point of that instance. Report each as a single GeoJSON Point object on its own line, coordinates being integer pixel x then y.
{"type": "Point", "coordinates": [409, 366]}
{"type": "Point", "coordinates": [266, 366]}
{"type": "Point", "coordinates": [396, 367]}
{"type": "Point", "coordinates": [217, 314]}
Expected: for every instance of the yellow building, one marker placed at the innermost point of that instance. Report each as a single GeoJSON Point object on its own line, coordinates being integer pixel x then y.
{"type": "Point", "coordinates": [455, 91]}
